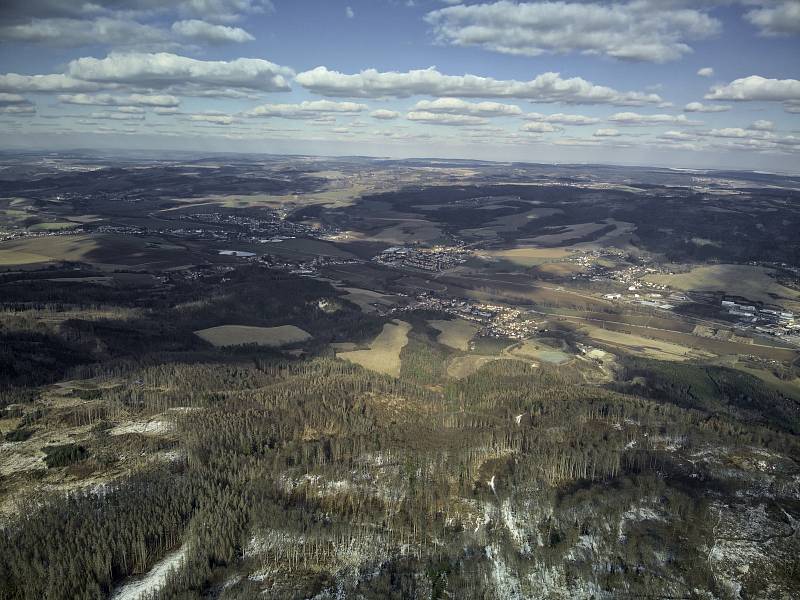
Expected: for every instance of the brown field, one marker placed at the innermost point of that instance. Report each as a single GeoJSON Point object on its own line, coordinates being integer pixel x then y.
{"type": "Point", "coordinates": [236, 335]}
{"type": "Point", "coordinates": [47, 249]}
{"type": "Point", "coordinates": [99, 249]}
{"type": "Point", "coordinates": [747, 281]}
{"type": "Point", "coordinates": [644, 346]}
{"type": "Point", "coordinates": [456, 333]}
{"type": "Point", "coordinates": [305, 248]}
{"type": "Point", "coordinates": [529, 256]}
{"type": "Point", "coordinates": [365, 299]}
{"type": "Point", "coordinates": [383, 355]}
{"type": "Point", "coordinates": [460, 367]}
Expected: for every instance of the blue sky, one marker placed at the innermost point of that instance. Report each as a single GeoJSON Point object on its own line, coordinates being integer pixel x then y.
{"type": "Point", "coordinates": [709, 83]}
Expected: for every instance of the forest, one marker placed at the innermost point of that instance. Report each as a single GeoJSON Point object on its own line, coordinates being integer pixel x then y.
{"type": "Point", "coordinates": [298, 475]}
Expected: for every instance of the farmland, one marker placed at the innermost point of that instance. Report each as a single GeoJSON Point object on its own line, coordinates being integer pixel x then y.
{"type": "Point", "coordinates": [237, 335]}
{"type": "Point", "coordinates": [383, 355]}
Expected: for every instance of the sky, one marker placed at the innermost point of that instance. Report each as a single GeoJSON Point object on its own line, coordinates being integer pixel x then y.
{"type": "Point", "coordinates": [676, 83]}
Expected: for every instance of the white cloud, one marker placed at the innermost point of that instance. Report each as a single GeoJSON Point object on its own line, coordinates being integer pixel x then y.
{"type": "Point", "coordinates": [636, 30]}
{"type": "Point", "coordinates": [81, 32]}
{"type": "Point", "coordinates": [166, 110]}
{"type": "Point", "coordinates": [539, 127]}
{"type": "Point", "coordinates": [214, 119]}
{"type": "Point", "coordinates": [632, 118]}
{"type": "Point", "coordinates": [117, 116]}
{"type": "Point", "coordinates": [762, 125]}
{"type": "Point", "coordinates": [348, 12]}
{"type": "Point", "coordinates": [444, 119]}
{"type": "Point", "coordinates": [7, 99]}
{"type": "Point", "coordinates": [456, 106]}
{"type": "Point", "coordinates": [134, 110]}
{"type": "Point", "coordinates": [18, 109]}
{"type": "Point", "coordinates": [13, 82]}
{"type": "Point", "coordinates": [202, 31]}
{"type": "Point", "coordinates": [384, 114]}
{"type": "Point", "coordinates": [780, 19]}
{"type": "Point", "coordinates": [562, 119]}
{"type": "Point", "coordinates": [306, 110]}
{"type": "Point", "coordinates": [608, 132]}
{"type": "Point", "coordinates": [16, 105]}
{"type": "Point", "coordinates": [706, 72]}
{"type": "Point", "coordinates": [547, 87]}
{"type": "Point", "coordinates": [707, 108]}
{"type": "Point", "coordinates": [164, 70]}
{"type": "Point", "coordinates": [110, 100]}
{"type": "Point", "coordinates": [224, 11]}
{"type": "Point", "coordinates": [756, 87]}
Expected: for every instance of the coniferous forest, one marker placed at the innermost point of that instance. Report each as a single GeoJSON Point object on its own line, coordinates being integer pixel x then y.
{"type": "Point", "coordinates": [299, 475]}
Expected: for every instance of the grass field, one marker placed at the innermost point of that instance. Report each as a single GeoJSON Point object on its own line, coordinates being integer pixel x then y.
{"type": "Point", "coordinates": [236, 335]}
{"type": "Point", "coordinates": [643, 346]}
{"type": "Point", "coordinates": [366, 298]}
{"type": "Point", "coordinates": [529, 256]}
{"type": "Point", "coordinates": [456, 333]}
{"type": "Point", "coordinates": [539, 351]}
{"type": "Point", "coordinates": [47, 249]}
{"type": "Point", "coordinates": [748, 281]}
{"type": "Point", "coordinates": [383, 355]}
{"type": "Point", "coordinates": [460, 367]}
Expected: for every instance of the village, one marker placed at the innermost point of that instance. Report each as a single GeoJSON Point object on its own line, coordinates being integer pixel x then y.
{"type": "Point", "coordinates": [438, 258]}
{"type": "Point", "coordinates": [495, 320]}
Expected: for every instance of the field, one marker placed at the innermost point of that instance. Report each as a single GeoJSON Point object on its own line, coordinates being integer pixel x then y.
{"type": "Point", "coordinates": [460, 367]}
{"type": "Point", "coordinates": [456, 333]}
{"type": "Point", "coordinates": [637, 344]}
{"type": "Point", "coordinates": [383, 355]}
{"type": "Point", "coordinates": [753, 283]}
{"type": "Point", "coordinates": [366, 298]}
{"type": "Point", "coordinates": [529, 256]}
{"type": "Point", "coordinates": [104, 250]}
{"type": "Point", "coordinates": [46, 249]}
{"type": "Point", "coordinates": [237, 335]}
{"type": "Point", "coordinates": [539, 351]}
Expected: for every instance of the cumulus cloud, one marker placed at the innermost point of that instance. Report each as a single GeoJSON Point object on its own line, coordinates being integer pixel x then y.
{"type": "Point", "coordinates": [14, 82]}
{"type": "Point", "coordinates": [16, 104]}
{"type": "Point", "coordinates": [164, 70]}
{"type": "Point", "coordinates": [756, 87]}
{"type": "Point", "coordinates": [201, 31]}
{"type": "Point", "coordinates": [762, 125]}
{"type": "Point", "coordinates": [636, 30]}
{"type": "Point", "coordinates": [541, 127]}
{"type": "Point", "coordinates": [456, 106]}
{"type": "Point", "coordinates": [9, 99]}
{"type": "Point", "coordinates": [349, 13]}
{"type": "Point", "coordinates": [117, 116]}
{"type": "Point", "coordinates": [81, 32]}
{"type": "Point", "coordinates": [707, 108]}
{"type": "Point", "coordinates": [608, 132]}
{"type": "Point", "coordinates": [110, 100]}
{"type": "Point", "coordinates": [214, 119]}
{"type": "Point", "coordinates": [632, 118]}
{"type": "Point", "coordinates": [306, 110]}
{"type": "Point", "coordinates": [562, 119]}
{"type": "Point", "coordinates": [383, 114]}
{"type": "Point", "coordinates": [706, 72]}
{"type": "Point", "coordinates": [432, 118]}
{"type": "Point", "coordinates": [780, 19]}
{"type": "Point", "coordinates": [547, 87]}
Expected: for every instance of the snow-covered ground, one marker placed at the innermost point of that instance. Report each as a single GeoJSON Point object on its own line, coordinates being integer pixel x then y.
{"type": "Point", "coordinates": [135, 589]}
